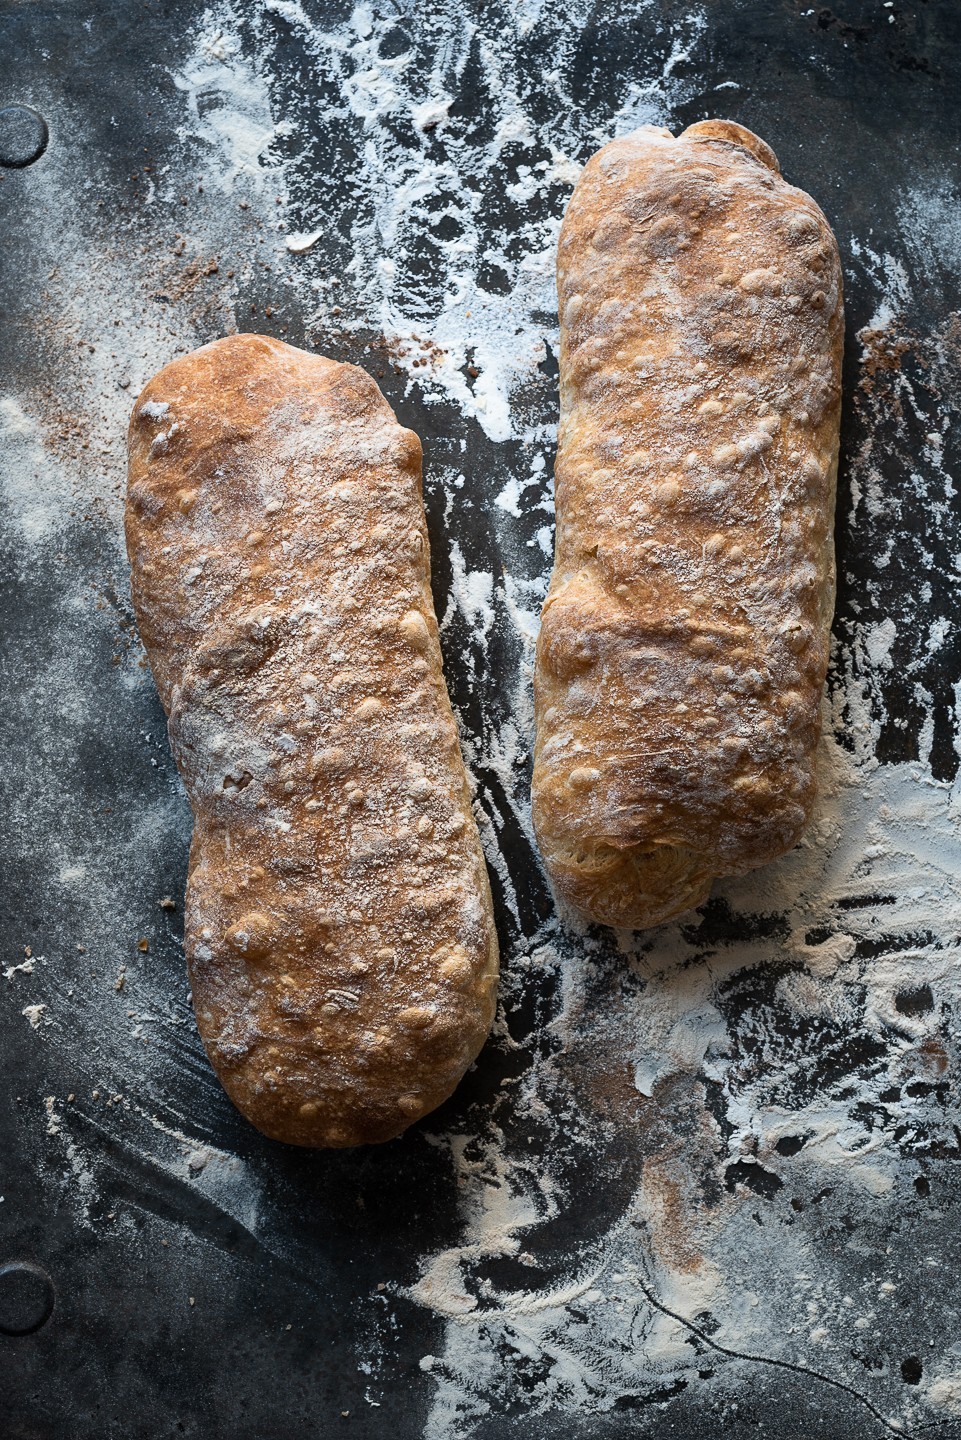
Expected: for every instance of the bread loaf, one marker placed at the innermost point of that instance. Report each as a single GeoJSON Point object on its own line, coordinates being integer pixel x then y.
{"type": "Point", "coordinates": [684, 642]}
{"type": "Point", "coordinates": [339, 933]}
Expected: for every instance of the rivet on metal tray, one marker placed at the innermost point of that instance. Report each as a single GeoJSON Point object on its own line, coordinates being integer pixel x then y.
{"type": "Point", "coordinates": [26, 1297]}
{"type": "Point", "coordinates": [23, 136]}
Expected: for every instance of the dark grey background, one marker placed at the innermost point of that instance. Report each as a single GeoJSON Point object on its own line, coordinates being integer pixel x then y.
{"type": "Point", "coordinates": [285, 1312]}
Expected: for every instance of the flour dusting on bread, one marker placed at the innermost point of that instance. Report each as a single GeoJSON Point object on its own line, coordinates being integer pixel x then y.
{"type": "Point", "coordinates": [684, 642]}
{"type": "Point", "coordinates": [339, 934]}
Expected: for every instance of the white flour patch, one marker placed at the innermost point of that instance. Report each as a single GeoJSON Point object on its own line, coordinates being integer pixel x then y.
{"type": "Point", "coordinates": [228, 112]}
{"type": "Point", "coordinates": [945, 1394]}
{"type": "Point", "coordinates": [26, 967]}
{"type": "Point", "coordinates": [878, 642]}
{"type": "Point", "coordinates": [472, 595]}
{"type": "Point", "coordinates": [467, 320]}
{"type": "Point", "coordinates": [33, 494]}
{"type": "Point", "coordinates": [223, 1178]}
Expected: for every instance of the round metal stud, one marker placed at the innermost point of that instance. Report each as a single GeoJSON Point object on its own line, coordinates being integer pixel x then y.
{"type": "Point", "coordinates": [23, 136]}
{"type": "Point", "coordinates": [26, 1297]}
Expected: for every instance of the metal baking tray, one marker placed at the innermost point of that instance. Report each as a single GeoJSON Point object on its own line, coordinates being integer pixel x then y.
{"type": "Point", "coordinates": [701, 1181]}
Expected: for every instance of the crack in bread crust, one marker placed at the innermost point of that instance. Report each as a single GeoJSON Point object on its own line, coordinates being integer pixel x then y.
{"type": "Point", "coordinates": [685, 635]}
{"type": "Point", "coordinates": [339, 930]}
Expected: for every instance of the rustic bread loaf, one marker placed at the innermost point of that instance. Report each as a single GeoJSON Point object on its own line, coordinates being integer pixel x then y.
{"type": "Point", "coordinates": [685, 634]}
{"type": "Point", "coordinates": [339, 932]}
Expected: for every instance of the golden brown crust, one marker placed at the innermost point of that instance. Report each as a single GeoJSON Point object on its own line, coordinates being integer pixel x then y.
{"type": "Point", "coordinates": [684, 641]}
{"type": "Point", "coordinates": [339, 931]}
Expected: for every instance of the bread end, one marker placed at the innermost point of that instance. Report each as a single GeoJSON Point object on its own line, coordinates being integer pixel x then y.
{"type": "Point", "coordinates": [728, 132]}
{"type": "Point", "coordinates": [633, 887]}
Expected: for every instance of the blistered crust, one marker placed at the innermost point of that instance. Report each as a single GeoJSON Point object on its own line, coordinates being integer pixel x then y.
{"type": "Point", "coordinates": [684, 641]}
{"type": "Point", "coordinates": [339, 933]}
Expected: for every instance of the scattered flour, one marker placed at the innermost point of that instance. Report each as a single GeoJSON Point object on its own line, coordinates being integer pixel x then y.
{"type": "Point", "coordinates": [26, 967]}
{"type": "Point", "coordinates": [788, 1045]}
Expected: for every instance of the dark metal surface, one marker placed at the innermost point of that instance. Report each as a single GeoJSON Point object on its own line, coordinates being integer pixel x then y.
{"type": "Point", "coordinates": [26, 1298]}
{"type": "Point", "coordinates": [23, 136]}
{"type": "Point", "coordinates": [172, 1316]}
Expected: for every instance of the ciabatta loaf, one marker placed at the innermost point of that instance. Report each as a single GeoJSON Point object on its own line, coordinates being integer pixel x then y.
{"type": "Point", "coordinates": [339, 932]}
{"type": "Point", "coordinates": [684, 643]}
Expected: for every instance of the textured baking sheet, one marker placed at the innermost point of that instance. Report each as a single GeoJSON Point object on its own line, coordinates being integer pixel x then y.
{"type": "Point", "coordinates": [701, 1181]}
